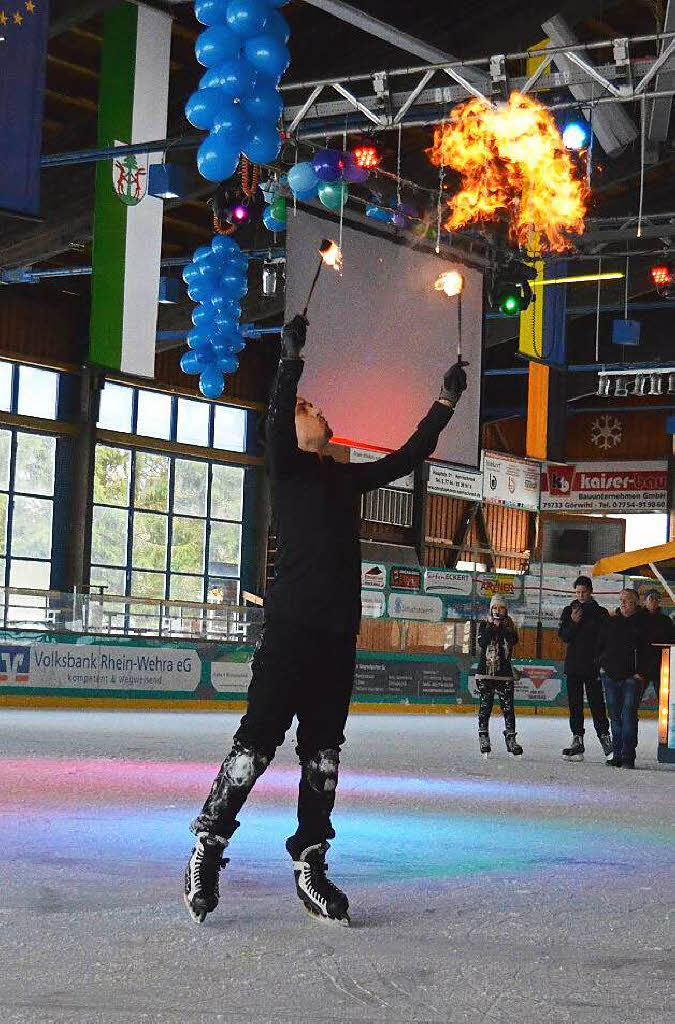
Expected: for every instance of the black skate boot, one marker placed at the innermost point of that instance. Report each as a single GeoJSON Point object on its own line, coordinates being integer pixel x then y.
{"type": "Point", "coordinates": [484, 742]}
{"type": "Point", "coordinates": [201, 876]}
{"type": "Point", "coordinates": [317, 892]}
{"type": "Point", "coordinates": [606, 744]}
{"type": "Point", "coordinates": [511, 745]}
{"type": "Point", "coordinates": [576, 751]}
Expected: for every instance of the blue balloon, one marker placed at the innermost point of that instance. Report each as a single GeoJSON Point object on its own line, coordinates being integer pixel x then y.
{"type": "Point", "coordinates": [202, 252]}
{"type": "Point", "coordinates": [190, 273]}
{"type": "Point", "coordinates": [301, 177]}
{"type": "Point", "coordinates": [351, 171]}
{"type": "Point", "coordinates": [267, 53]}
{"type": "Point", "coordinates": [271, 222]}
{"type": "Point", "coordinates": [200, 291]}
{"type": "Point", "coordinates": [233, 283]}
{"type": "Point", "coordinates": [235, 77]}
{"type": "Point", "coordinates": [232, 343]}
{"type": "Point", "coordinates": [210, 12]}
{"type": "Point", "coordinates": [227, 364]}
{"type": "Point", "coordinates": [223, 300]}
{"type": "Point", "coordinates": [263, 143]}
{"type": "Point", "coordinates": [247, 17]}
{"type": "Point", "coordinates": [378, 213]}
{"type": "Point", "coordinates": [203, 316]}
{"type": "Point", "coordinates": [231, 118]}
{"type": "Point", "coordinates": [265, 102]}
{"type": "Point", "coordinates": [217, 158]}
{"type": "Point", "coordinates": [277, 3]}
{"type": "Point", "coordinates": [192, 362]}
{"type": "Point", "coordinates": [215, 45]}
{"type": "Point", "coordinates": [227, 318]}
{"type": "Point", "coordinates": [224, 246]}
{"type": "Point", "coordinates": [278, 26]}
{"type": "Point", "coordinates": [309, 193]}
{"type": "Point", "coordinates": [211, 382]}
{"type": "Point", "coordinates": [204, 105]}
{"type": "Point", "coordinates": [211, 275]}
{"type": "Point", "coordinates": [328, 164]}
{"type": "Point", "coordinates": [199, 338]}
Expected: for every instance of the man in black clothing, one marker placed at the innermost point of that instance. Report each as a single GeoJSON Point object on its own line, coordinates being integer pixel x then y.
{"type": "Point", "coordinates": [304, 663]}
{"type": "Point", "coordinates": [659, 627]}
{"type": "Point", "coordinates": [578, 628]}
{"type": "Point", "coordinates": [623, 650]}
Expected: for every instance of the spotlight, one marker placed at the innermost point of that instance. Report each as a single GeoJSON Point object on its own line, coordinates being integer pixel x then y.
{"type": "Point", "coordinates": [640, 384]}
{"type": "Point", "coordinates": [269, 279]}
{"type": "Point", "coordinates": [671, 383]}
{"type": "Point", "coordinates": [604, 386]}
{"type": "Point", "coordinates": [168, 181]}
{"type": "Point", "coordinates": [575, 135]}
{"type": "Point", "coordinates": [366, 155]}
{"type": "Point", "coordinates": [620, 387]}
{"type": "Point", "coordinates": [662, 275]}
{"type": "Point", "coordinates": [655, 384]}
{"type": "Point", "coordinates": [512, 291]}
{"type": "Point", "coordinates": [169, 290]}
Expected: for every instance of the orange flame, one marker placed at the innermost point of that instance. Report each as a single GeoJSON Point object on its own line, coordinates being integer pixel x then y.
{"type": "Point", "coordinates": [513, 162]}
{"type": "Point", "coordinates": [451, 282]}
{"type": "Point", "coordinates": [331, 254]}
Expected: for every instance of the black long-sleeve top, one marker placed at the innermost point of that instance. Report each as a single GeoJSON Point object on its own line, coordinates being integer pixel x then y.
{"type": "Point", "coordinates": [581, 658]}
{"type": "Point", "coordinates": [315, 499]}
{"type": "Point", "coordinates": [496, 641]}
{"type": "Point", "coordinates": [623, 645]}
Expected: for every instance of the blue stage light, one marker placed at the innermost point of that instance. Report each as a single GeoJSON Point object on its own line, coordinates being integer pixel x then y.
{"type": "Point", "coordinates": [575, 135]}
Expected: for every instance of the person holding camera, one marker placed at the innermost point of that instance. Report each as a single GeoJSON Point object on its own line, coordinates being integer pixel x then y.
{"type": "Point", "coordinates": [497, 638]}
{"type": "Point", "coordinates": [579, 626]}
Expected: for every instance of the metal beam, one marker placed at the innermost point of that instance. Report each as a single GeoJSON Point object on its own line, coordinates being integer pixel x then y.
{"type": "Point", "coordinates": [659, 115]}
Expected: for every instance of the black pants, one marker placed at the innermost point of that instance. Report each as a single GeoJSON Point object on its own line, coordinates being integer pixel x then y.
{"type": "Point", "coordinates": [596, 702]}
{"type": "Point", "coordinates": [296, 672]}
{"type": "Point", "coordinates": [504, 690]}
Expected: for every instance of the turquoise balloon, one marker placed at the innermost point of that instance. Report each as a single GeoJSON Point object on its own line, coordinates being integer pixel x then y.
{"type": "Point", "coordinates": [215, 45]}
{"type": "Point", "coordinates": [302, 178]}
{"type": "Point", "coordinates": [333, 194]}
{"type": "Point", "coordinates": [211, 382]}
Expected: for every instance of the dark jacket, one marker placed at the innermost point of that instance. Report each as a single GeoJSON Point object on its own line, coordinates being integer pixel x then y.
{"type": "Point", "coordinates": [316, 503]}
{"type": "Point", "coordinates": [581, 638]}
{"type": "Point", "coordinates": [496, 642]}
{"type": "Point", "coordinates": [623, 645]}
{"type": "Point", "coordinates": [659, 628]}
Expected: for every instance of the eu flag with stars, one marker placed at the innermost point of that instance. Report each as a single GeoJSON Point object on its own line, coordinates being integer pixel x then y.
{"type": "Point", "coordinates": [23, 55]}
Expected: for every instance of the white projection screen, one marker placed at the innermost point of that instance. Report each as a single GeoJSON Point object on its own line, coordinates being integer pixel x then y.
{"type": "Point", "coordinates": [380, 338]}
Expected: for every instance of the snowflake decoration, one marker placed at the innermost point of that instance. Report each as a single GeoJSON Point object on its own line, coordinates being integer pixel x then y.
{"type": "Point", "coordinates": [606, 431]}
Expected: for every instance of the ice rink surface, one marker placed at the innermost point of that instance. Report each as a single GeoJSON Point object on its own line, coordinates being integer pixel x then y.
{"type": "Point", "coordinates": [513, 890]}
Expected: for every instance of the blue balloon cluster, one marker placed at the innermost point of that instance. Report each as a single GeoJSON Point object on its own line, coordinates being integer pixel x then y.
{"type": "Point", "coordinates": [216, 280]}
{"type": "Point", "coordinates": [403, 215]}
{"type": "Point", "coordinates": [244, 49]}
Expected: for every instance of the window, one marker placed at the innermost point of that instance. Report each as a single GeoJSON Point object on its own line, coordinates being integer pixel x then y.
{"type": "Point", "coordinates": [165, 526]}
{"type": "Point", "coordinates": [132, 410]}
{"type": "Point", "coordinates": [26, 508]}
{"type": "Point", "coordinates": [38, 392]}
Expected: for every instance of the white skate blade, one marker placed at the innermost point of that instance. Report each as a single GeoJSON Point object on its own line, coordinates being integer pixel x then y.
{"type": "Point", "coordinates": [344, 922]}
{"type": "Point", "coordinates": [197, 918]}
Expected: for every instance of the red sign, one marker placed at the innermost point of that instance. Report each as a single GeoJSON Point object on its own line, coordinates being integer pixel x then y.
{"type": "Point", "coordinates": [605, 487]}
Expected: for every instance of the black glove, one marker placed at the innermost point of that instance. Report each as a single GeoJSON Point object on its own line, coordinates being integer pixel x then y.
{"type": "Point", "coordinates": [293, 337]}
{"type": "Point", "coordinates": [454, 382]}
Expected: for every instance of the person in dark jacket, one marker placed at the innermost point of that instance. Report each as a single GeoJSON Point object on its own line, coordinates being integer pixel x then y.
{"type": "Point", "coordinates": [304, 662]}
{"type": "Point", "coordinates": [579, 625]}
{"type": "Point", "coordinates": [660, 630]}
{"type": "Point", "coordinates": [623, 651]}
{"type": "Point", "coordinates": [496, 639]}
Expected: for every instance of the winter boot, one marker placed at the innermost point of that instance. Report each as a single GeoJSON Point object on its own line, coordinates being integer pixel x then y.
{"type": "Point", "coordinates": [317, 892]}
{"type": "Point", "coordinates": [511, 745]}
{"type": "Point", "coordinates": [201, 876]}
{"type": "Point", "coordinates": [614, 762]}
{"type": "Point", "coordinates": [484, 741]}
{"type": "Point", "coordinates": [576, 751]}
{"type": "Point", "coordinates": [606, 744]}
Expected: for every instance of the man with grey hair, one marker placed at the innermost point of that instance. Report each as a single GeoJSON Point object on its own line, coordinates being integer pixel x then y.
{"type": "Point", "coordinates": [623, 649]}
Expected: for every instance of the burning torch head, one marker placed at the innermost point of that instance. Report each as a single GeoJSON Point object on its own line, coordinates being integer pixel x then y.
{"type": "Point", "coordinates": [330, 253]}
{"type": "Point", "coordinates": [451, 282]}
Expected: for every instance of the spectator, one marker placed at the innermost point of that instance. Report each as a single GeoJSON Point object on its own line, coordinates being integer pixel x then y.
{"type": "Point", "coordinates": [623, 650]}
{"type": "Point", "coordinates": [579, 625]}
{"type": "Point", "coordinates": [659, 631]}
{"type": "Point", "coordinates": [496, 639]}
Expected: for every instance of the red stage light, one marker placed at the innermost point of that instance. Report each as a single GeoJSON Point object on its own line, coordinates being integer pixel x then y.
{"type": "Point", "coordinates": [662, 275]}
{"type": "Point", "coordinates": [366, 156]}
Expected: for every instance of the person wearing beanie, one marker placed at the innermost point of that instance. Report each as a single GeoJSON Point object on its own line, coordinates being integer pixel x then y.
{"type": "Point", "coordinates": [497, 637]}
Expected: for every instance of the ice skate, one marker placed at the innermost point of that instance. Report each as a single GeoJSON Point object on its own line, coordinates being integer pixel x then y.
{"type": "Point", "coordinates": [484, 743]}
{"type": "Point", "coordinates": [511, 745]}
{"type": "Point", "coordinates": [201, 876]}
{"type": "Point", "coordinates": [320, 896]}
{"type": "Point", "coordinates": [575, 752]}
{"type": "Point", "coordinates": [606, 744]}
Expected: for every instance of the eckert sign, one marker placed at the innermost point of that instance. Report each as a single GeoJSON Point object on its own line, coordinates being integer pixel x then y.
{"type": "Point", "coordinates": [605, 487]}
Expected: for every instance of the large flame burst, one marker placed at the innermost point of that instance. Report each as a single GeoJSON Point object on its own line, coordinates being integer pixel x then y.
{"type": "Point", "coordinates": [512, 161]}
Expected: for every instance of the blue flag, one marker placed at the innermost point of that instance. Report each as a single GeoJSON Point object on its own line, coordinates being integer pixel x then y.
{"type": "Point", "coordinates": [23, 54]}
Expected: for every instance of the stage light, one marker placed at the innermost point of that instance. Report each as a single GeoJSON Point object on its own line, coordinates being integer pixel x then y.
{"type": "Point", "coordinates": [169, 290]}
{"type": "Point", "coordinates": [575, 135]}
{"type": "Point", "coordinates": [239, 213]}
{"type": "Point", "coordinates": [269, 279]}
{"type": "Point", "coordinates": [366, 155]}
{"type": "Point", "coordinates": [168, 181]}
{"type": "Point", "coordinates": [662, 275]}
{"type": "Point", "coordinates": [513, 299]}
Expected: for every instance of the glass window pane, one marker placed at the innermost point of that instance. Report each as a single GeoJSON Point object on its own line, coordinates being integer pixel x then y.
{"type": "Point", "coordinates": [3, 562]}
{"type": "Point", "coordinates": [35, 463]}
{"type": "Point", "coordinates": [154, 414]}
{"type": "Point", "coordinates": [112, 473]}
{"type": "Point", "coordinates": [38, 391]}
{"type": "Point", "coordinates": [225, 549]}
{"type": "Point", "coordinates": [227, 492]}
{"type": "Point", "coordinates": [28, 608]}
{"type": "Point", "coordinates": [152, 481]}
{"type": "Point", "coordinates": [32, 527]}
{"type": "Point", "coordinates": [222, 591]}
{"type": "Point", "coordinates": [189, 492]}
{"type": "Point", "coordinates": [109, 535]}
{"type": "Point", "coordinates": [113, 581]}
{"type": "Point", "coordinates": [150, 539]}
{"type": "Point", "coordinates": [116, 407]}
{"type": "Point", "coordinates": [193, 422]}
{"type": "Point", "coordinates": [5, 447]}
{"type": "Point", "coordinates": [4, 498]}
{"type": "Point", "coordinates": [147, 584]}
{"type": "Point", "coordinates": [187, 588]}
{"type": "Point", "coordinates": [6, 386]}
{"type": "Point", "coordinates": [187, 545]}
{"type": "Point", "coordinates": [229, 428]}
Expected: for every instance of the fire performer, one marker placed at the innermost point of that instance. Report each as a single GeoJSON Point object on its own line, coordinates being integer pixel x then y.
{"type": "Point", "coordinates": [304, 662]}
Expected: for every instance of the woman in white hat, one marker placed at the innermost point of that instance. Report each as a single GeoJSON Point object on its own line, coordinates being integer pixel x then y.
{"type": "Point", "coordinates": [497, 637]}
